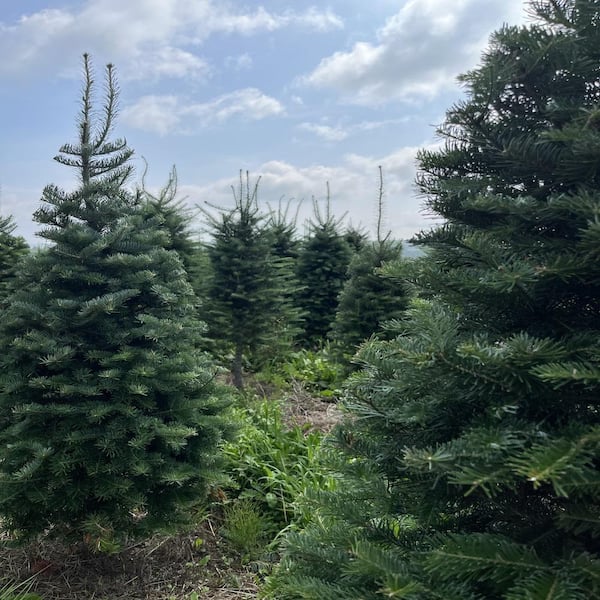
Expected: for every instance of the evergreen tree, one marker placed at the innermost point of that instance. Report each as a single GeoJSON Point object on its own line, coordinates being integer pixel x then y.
{"type": "Point", "coordinates": [110, 417]}
{"type": "Point", "coordinates": [322, 270]}
{"type": "Point", "coordinates": [171, 216]}
{"type": "Point", "coordinates": [12, 249]}
{"type": "Point", "coordinates": [247, 298]}
{"type": "Point", "coordinates": [356, 238]}
{"type": "Point", "coordinates": [284, 232]}
{"type": "Point", "coordinates": [287, 327]}
{"type": "Point", "coordinates": [369, 298]}
{"type": "Point", "coordinates": [471, 464]}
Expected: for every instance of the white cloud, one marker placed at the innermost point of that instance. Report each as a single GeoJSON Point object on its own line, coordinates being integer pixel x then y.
{"type": "Point", "coordinates": [247, 24]}
{"type": "Point", "coordinates": [166, 61]}
{"type": "Point", "coordinates": [141, 36]}
{"type": "Point", "coordinates": [172, 114]}
{"type": "Point", "coordinates": [27, 41]}
{"type": "Point", "coordinates": [235, 21]}
{"type": "Point", "coordinates": [338, 133]}
{"type": "Point", "coordinates": [417, 53]}
{"type": "Point", "coordinates": [241, 62]}
{"type": "Point", "coordinates": [159, 114]}
{"type": "Point", "coordinates": [318, 20]}
{"type": "Point", "coordinates": [249, 103]}
{"type": "Point", "coordinates": [328, 133]}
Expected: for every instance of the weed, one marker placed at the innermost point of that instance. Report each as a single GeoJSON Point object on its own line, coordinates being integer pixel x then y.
{"type": "Point", "coordinates": [318, 370]}
{"type": "Point", "coordinates": [11, 591]}
{"type": "Point", "coordinates": [245, 526]}
{"type": "Point", "coordinates": [273, 465]}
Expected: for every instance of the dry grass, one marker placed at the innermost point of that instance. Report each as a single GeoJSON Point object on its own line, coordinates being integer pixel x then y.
{"type": "Point", "coordinates": [303, 409]}
{"type": "Point", "coordinates": [161, 568]}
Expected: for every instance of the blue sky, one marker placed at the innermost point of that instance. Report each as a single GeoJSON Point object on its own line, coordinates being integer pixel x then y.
{"type": "Point", "coordinates": [297, 92]}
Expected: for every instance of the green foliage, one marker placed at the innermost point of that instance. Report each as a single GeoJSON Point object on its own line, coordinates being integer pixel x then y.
{"type": "Point", "coordinates": [469, 466]}
{"type": "Point", "coordinates": [111, 419]}
{"type": "Point", "coordinates": [321, 269]}
{"type": "Point", "coordinates": [11, 591]}
{"type": "Point", "coordinates": [318, 370]}
{"type": "Point", "coordinates": [272, 464]}
{"type": "Point", "coordinates": [368, 298]}
{"type": "Point", "coordinates": [285, 243]}
{"type": "Point", "coordinates": [285, 327]}
{"type": "Point", "coordinates": [245, 526]}
{"type": "Point", "coordinates": [249, 299]}
{"type": "Point", "coordinates": [356, 238]}
{"type": "Point", "coordinates": [171, 216]}
{"type": "Point", "coordinates": [12, 249]}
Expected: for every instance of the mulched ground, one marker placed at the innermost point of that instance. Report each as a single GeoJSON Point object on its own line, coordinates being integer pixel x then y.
{"type": "Point", "coordinates": [162, 568]}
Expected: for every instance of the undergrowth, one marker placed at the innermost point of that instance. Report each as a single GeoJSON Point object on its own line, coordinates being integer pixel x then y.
{"type": "Point", "coordinates": [271, 465]}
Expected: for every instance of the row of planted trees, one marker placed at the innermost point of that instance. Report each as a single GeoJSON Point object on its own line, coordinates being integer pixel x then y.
{"type": "Point", "coordinates": [467, 466]}
{"type": "Point", "coordinates": [266, 292]}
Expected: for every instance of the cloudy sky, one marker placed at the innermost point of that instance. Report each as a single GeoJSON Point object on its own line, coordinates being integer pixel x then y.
{"type": "Point", "coordinates": [298, 92]}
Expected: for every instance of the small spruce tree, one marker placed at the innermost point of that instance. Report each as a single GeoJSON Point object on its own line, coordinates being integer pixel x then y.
{"type": "Point", "coordinates": [369, 298]}
{"type": "Point", "coordinates": [321, 270]}
{"type": "Point", "coordinates": [110, 418]}
{"type": "Point", "coordinates": [356, 238]}
{"type": "Point", "coordinates": [287, 326]}
{"type": "Point", "coordinates": [470, 470]}
{"type": "Point", "coordinates": [284, 231]}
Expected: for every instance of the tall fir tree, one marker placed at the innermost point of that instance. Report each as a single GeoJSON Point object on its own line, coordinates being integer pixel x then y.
{"type": "Point", "coordinates": [110, 419]}
{"type": "Point", "coordinates": [322, 267]}
{"type": "Point", "coordinates": [470, 469]}
{"type": "Point", "coordinates": [369, 298]}
{"type": "Point", "coordinates": [247, 300]}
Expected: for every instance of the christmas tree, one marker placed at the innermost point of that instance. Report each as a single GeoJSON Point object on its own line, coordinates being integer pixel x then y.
{"type": "Point", "coordinates": [110, 415]}
{"type": "Point", "coordinates": [249, 295]}
{"type": "Point", "coordinates": [470, 467]}
{"type": "Point", "coordinates": [369, 298]}
{"type": "Point", "coordinates": [321, 270]}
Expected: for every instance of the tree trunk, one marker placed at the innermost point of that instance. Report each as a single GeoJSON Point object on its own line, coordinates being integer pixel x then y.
{"type": "Point", "coordinates": [236, 368]}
